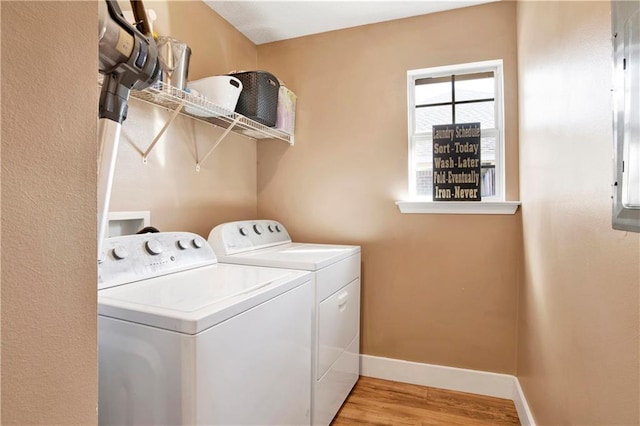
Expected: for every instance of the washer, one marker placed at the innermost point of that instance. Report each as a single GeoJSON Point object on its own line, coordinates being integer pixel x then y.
{"type": "Point", "coordinates": [336, 300]}
{"type": "Point", "coordinates": [186, 340]}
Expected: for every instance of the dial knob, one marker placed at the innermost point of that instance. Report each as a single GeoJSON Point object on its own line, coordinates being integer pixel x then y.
{"type": "Point", "coordinates": [258, 229]}
{"type": "Point", "coordinates": [270, 228]}
{"type": "Point", "coordinates": [153, 246]}
{"type": "Point", "coordinates": [278, 228]}
{"type": "Point", "coordinates": [197, 242]}
{"type": "Point", "coordinates": [243, 231]}
{"type": "Point", "coordinates": [120, 253]}
{"type": "Point", "coordinates": [183, 244]}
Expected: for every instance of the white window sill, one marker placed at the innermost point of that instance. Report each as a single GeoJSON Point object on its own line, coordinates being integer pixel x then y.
{"type": "Point", "coordinates": [458, 207]}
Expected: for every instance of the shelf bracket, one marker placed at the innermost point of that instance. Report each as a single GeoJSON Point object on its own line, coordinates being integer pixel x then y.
{"type": "Point", "coordinates": [161, 132]}
{"type": "Point", "coordinates": [215, 145]}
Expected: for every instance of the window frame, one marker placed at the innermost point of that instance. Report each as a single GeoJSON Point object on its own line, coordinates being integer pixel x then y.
{"type": "Point", "coordinates": [495, 66]}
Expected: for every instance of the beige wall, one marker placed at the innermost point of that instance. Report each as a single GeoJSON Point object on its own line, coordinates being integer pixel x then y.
{"type": "Point", "coordinates": [178, 197]}
{"type": "Point", "coordinates": [578, 318]}
{"type": "Point", "coordinates": [0, 227]}
{"type": "Point", "coordinates": [49, 109]}
{"type": "Point", "coordinates": [578, 358]}
{"type": "Point", "coordinates": [439, 289]}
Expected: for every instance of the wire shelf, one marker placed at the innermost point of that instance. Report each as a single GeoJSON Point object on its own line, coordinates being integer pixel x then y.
{"type": "Point", "coordinates": [199, 108]}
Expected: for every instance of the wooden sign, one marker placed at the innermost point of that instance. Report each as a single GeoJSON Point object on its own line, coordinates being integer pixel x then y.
{"type": "Point", "coordinates": [456, 162]}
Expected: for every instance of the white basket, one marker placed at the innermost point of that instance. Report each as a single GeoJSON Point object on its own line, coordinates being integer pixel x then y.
{"type": "Point", "coordinates": [222, 90]}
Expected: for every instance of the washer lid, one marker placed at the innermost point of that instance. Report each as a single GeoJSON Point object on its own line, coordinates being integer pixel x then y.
{"type": "Point", "coordinates": [192, 301]}
{"type": "Point", "coordinates": [308, 257]}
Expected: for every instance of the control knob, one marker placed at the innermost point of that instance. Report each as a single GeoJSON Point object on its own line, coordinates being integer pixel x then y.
{"type": "Point", "coordinates": [197, 242]}
{"type": "Point", "coordinates": [153, 246]}
{"type": "Point", "coordinates": [258, 229]}
{"type": "Point", "coordinates": [183, 244]}
{"type": "Point", "coordinates": [243, 231]}
{"type": "Point", "coordinates": [120, 253]}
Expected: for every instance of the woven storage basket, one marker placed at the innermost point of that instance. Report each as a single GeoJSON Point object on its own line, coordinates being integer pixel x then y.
{"type": "Point", "coordinates": [259, 97]}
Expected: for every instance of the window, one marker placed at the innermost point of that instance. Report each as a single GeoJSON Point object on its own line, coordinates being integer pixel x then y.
{"type": "Point", "coordinates": [449, 95]}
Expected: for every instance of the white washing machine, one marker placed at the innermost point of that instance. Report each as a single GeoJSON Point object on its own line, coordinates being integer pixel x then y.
{"type": "Point", "coordinates": [186, 340]}
{"type": "Point", "coordinates": [336, 300]}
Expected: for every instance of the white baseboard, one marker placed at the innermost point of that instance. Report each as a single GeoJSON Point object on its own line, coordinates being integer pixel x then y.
{"type": "Point", "coordinates": [458, 379]}
{"type": "Point", "coordinates": [526, 418]}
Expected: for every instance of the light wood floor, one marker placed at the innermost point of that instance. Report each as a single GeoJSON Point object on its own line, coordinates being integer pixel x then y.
{"type": "Point", "coordinates": [382, 402]}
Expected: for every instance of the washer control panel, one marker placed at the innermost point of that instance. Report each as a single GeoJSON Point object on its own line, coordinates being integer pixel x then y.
{"type": "Point", "coordinates": [237, 237]}
{"type": "Point", "coordinates": [137, 257]}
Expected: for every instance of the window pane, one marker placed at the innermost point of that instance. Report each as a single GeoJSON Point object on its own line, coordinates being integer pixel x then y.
{"type": "Point", "coordinates": [424, 182]}
{"type": "Point", "coordinates": [422, 160]}
{"type": "Point", "coordinates": [488, 169]}
{"type": "Point", "coordinates": [427, 117]}
{"type": "Point", "coordinates": [431, 91]}
{"type": "Point", "coordinates": [482, 112]}
{"type": "Point", "coordinates": [422, 151]}
{"type": "Point", "coordinates": [468, 89]}
{"type": "Point", "coordinates": [488, 150]}
{"type": "Point", "coordinates": [474, 83]}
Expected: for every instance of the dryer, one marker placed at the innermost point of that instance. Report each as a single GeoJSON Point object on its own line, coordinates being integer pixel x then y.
{"type": "Point", "coordinates": [336, 300]}
{"type": "Point", "coordinates": [186, 340]}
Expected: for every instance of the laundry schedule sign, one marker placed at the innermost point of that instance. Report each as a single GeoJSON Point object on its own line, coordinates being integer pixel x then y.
{"type": "Point", "coordinates": [456, 162]}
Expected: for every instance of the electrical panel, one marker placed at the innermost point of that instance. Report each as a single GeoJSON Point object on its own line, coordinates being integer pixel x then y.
{"type": "Point", "coordinates": [626, 115]}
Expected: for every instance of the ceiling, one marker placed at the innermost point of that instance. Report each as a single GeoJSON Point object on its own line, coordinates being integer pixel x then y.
{"type": "Point", "coordinates": [266, 21]}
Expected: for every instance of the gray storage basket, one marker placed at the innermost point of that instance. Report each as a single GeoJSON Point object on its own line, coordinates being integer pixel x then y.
{"type": "Point", "coordinates": [259, 97]}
